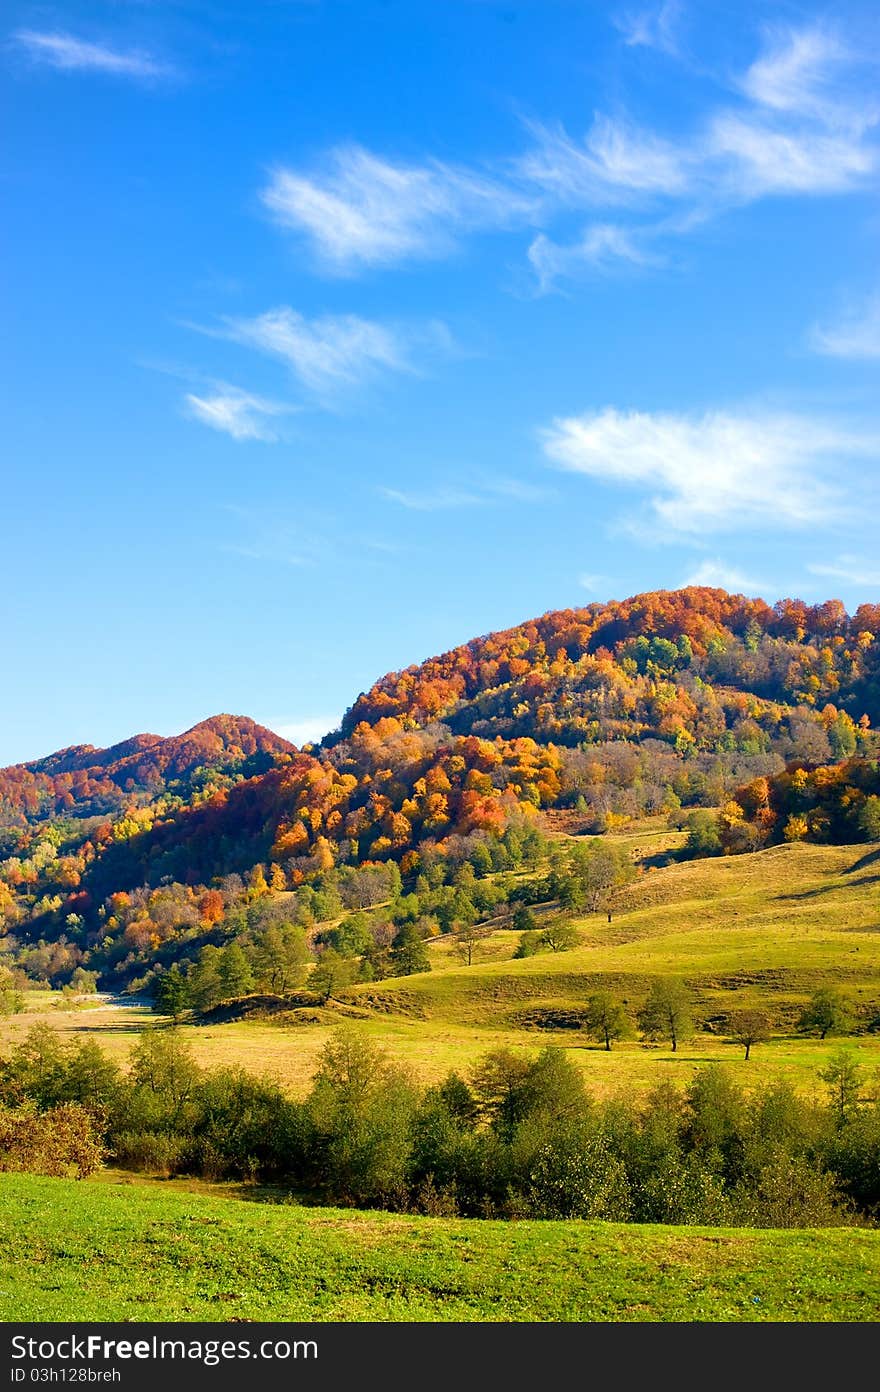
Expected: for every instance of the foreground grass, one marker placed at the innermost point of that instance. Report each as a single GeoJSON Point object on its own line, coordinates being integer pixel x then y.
{"type": "Point", "coordinates": [98, 1251]}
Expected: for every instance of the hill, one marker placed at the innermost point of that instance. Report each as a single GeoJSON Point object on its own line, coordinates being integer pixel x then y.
{"type": "Point", "coordinates": [122, 859]}
{"type": "Point", "coordinates": [757, 931]}
{"type": "Point", "coordinates": [85, 781]}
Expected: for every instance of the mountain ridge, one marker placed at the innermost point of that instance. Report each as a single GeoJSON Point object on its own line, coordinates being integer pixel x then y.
{"type": "Point", "coordinates": [674, 702]}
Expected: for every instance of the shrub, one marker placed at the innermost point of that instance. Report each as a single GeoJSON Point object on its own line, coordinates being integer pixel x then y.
{"type": "Point", "coordinates": [61, 1141]}
{"type": "Point", "coordinates": [154, 1152]}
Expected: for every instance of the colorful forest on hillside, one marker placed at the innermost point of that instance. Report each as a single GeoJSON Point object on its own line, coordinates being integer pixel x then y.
{"type": "Point", "coordinates": [685, 703]}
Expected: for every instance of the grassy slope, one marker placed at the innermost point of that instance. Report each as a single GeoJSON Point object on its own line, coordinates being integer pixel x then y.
{"type": "Point", "coordinates": [759, 930]}
{"type": "Point", "coordinates": [89, 1251]}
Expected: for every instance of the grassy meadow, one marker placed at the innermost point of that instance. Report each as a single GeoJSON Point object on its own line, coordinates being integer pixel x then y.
{"type": "Point", "coordinates": [99, 1250]}
{"type": "Point", "coordinates": [760, 930]}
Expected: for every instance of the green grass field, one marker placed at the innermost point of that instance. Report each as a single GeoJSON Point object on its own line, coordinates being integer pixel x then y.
{"type": "Point", "coordinates": [104, 1251]}
{"type": "Point", "coordinates": [759, 930]}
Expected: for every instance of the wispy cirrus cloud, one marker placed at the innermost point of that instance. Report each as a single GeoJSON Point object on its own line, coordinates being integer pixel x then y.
{"type": "Point", "coordinates": [66, 53]}
{"type": "Point", "coordinates": [236, 412]}
{"type": "Point", "coordinates": [362, 210]}
{"type": "Point", "coordinates": [715, 472]}
{"type": "Point", "coordinates": [857, 335]}
{"type": "Point", "coordinates": [800, 70]}
{"type": "Point", "coordinates": [801, 120]}
{"type": "Point", "coordinates": [480, 494]}
{"type": "Point", "coordinates": [600, 247]}
{"type": "Point", "coordinates": [434, 500]}
{"type": "Point", "coordinates": [326, 353]}
{"type": "Point", "coordinates": [654, 27]}
{"type": "Point", "coordinates": [616, 162]}
{"type": "Point", "coordinates": [805, 127]}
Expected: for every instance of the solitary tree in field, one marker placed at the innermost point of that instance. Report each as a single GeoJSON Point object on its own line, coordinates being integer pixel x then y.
{"type": "Point", "coordinates": [666, 1013]}
{"type": "Point", "coordinates": [749, 1027]}
{"type": "Point", "coordinates": [827, 1012]}
{"type": "Point", "coordinates": [607, 1019]}
{"type": "Point", "coordinates": [467, 940]}
{"type": "Point", "coordinates": [560, 937]}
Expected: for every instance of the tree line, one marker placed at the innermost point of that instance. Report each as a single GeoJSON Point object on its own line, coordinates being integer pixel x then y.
{"type": "Point", "coordinates": [517, 1137]}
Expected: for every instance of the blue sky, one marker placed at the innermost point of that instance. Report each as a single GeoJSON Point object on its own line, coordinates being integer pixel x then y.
{"type": "Point", "coordinates": [339, 333]}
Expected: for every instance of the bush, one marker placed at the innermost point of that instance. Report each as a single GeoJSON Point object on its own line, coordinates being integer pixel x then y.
{"type": "Point", "coordinates": [789, 1192]}
{"type": "Point", "coordinates": [61, 1141]}
{"type": "Point", "coordinates": [154, 1152]}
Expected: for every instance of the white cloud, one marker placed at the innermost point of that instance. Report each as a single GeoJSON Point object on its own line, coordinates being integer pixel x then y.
{"type": "Point", "coordinates": [800, 119]}
{"type": "Point", "coordinates": [615, 162]}
{"type": "Point", "coordinates": [600, 248]}
{"type": "Point", "coordinates": [757, 160]}
{"type": "Point", "coordinates": [804, 126]}
{"type": "Point", "coordinates": [236, 413]}
{"type": "Point", "coordinates": [856, 336]}
{"type": "Point", "coordinates": [797, 72]}
{"type": "Point", "coordinates": [854, 570]}
{"type": "Point", "coordinates": [365, 211]}
{"type": "Point", "coordinates": [719, 575]}
{"type": "Point", "coordinates": [324, 353]}
{"type": "Point", "coordinates": [715, 472]}
{"type": "Point", "coordinates": [305, 729]}
{"type": "Point", "coordinates": [69, 54]}
{"type": "Point", "coordinates": [480, 494]}
{"type": "Point", "coordinates": [653, 28]}
{"type": "Point", "coordinates": [436, 501]}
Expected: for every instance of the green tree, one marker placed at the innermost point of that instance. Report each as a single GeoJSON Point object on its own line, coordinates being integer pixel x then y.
{"type": "Point", "coordinates": [666, 1013]}
{"type": "Point", "coordinates": [171, 993]}
{"type": "Point", "coordinates": [361, 1109]}
{"type": "Point", "coordinates": [234, 972]}
{"type": "Point", "coordinates": [408, 952]}
{"type": "Point", "coordinates": [703, 835]}
{"type": "Point", "coordinates": [11, 1001]}
{"type": "Point", "coordinates": [205, 985]}
{"type": "Point", "coordinates": [560, 936]}
{"type": "Point", "coordinates": [524, 920]}
{"type": "Point", "coordinates": [35, 1068]}
{"type": "Point", "coordinates": [530, 943]}
{"type": "Point", "coordinates": [352, 937]}
{"type": "Point", "coordinates": [843, 1077]}
{"type": "Point", "coordinates": [606, 1018]}
{"type": "Point", "coordinates": [510, 1089]}
{"type": "Point", "coordinates": [164, 1070]}
{"type": "Point", "coordinates": [280, 955]}
{"type": "Point", "coordinates": [331, 974]}
{"type": "Point", "coordinates": [91, 1078]}
{"type": "Point", "coordinates": [600, 869]}
{"type": "Point", "coordinates": [869, 818]}
{"type": "Point", "coordinates": [481, 860]}
{"type": "Point", "coordinates": [827, 1012]}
